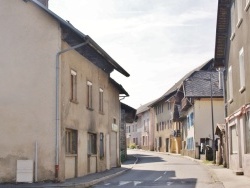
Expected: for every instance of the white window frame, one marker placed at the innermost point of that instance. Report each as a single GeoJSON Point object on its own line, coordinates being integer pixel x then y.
{"type": "Point", "coordinates": [89, 95]}
{"type": "Point", "coordinates": [100, 100]}
{"type": "Point", "coordinates": [247, 5]}
{"type": "Point", "coordinates": [239, 12]}
{"type": "Point", "coordinates": [242, 71]}
{"type": "Point", "coordinates": [230, 84]}
{"type": "Point", "coordinates": [73, 86]}
{"type": "Point", "coordinates": [232, 12]}
{"type": "Point", "coordinates": [234, 139]}
{"type": "Point", "coordinates": [247, 132]}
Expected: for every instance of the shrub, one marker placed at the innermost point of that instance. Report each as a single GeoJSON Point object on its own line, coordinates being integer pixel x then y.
{"type": "Point", "coordinates": [132, 146]}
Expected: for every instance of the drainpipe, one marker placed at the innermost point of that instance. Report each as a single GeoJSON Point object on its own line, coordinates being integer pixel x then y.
{"type": "Point", "coordinates": [57, 102]}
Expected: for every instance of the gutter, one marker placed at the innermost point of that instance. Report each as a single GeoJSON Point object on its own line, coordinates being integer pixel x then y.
{"type": "Point", "coordinates": [57, 103]}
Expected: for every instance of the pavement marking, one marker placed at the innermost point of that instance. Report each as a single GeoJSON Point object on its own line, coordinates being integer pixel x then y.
{"type": "Point", "coordinates": [123, 183]}
{"type": "Point", "coordinates": [137, 182]}
{"type": "Point", "coordinates": [106, 184]}
{"type": "Point", "coordinates": [158, 178]}
{"type": "Point", "coordinates": [165, 172]}
{"type": "Point", "coordinates": [169, 183]}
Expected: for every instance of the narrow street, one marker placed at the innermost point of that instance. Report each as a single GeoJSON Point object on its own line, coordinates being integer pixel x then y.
{"type": "Point", "coordinates": [163, 170]}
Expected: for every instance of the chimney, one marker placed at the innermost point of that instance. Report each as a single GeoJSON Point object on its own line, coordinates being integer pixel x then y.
{"type": "Point", "coordinates": [44, 2]}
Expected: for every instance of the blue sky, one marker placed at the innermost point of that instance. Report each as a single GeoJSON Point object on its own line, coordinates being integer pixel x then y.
{"type": "Point", "coordinates": [156, 41]}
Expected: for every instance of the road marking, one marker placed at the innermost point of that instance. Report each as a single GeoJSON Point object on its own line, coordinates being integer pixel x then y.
{"type": "Point", "coordinates": [158, 178]}
{"type": "Point", "coordinates": [165, 172]}
{"type": "Point", "coordinates": [137, 182]}
{"type": "Point", "coordinates": [169, 183]}
{"type": "Point", "coordinates": [106, 184]}
{"type": "Point", "coordinates": [123, 183]}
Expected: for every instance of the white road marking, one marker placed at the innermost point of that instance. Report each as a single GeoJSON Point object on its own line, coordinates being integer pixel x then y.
{"type": "Point", "coordinates": [137, 182]}
{"type": "Point", "coordinates": [165, 172]}
{"type": "Point", "coordinates": [169, 183]}
{"type": "Point", "coordinates": [123, 183]}
{"type": "Point", "coordinates": [158, 178]}
{"type": "Point", "coordinates": [106, 184]}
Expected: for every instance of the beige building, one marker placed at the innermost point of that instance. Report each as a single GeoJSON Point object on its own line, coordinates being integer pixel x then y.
{"type": "Point", "coordinates": [145, 122]}
{"type": "Point", "coordinates": [201, 109]}
{"type": "Point", "coordinates": [59, 107]}
{"type": "Point", "coordinates": [163, 124]}
{"type": "Point", "coordinates": [232, 52]}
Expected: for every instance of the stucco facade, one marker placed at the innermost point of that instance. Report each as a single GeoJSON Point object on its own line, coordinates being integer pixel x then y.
{"type": "Point", "coordinates": [237, 87]}
{"type": "Point", "coordinates": [31, 38]}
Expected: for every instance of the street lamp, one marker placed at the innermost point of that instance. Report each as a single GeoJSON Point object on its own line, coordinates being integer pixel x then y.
{"type": "Point", "coordinates": [212, 117]}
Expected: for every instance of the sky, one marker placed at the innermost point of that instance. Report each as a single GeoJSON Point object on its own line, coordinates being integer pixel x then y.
{"type": "Point", "coordinates": [156, 41]}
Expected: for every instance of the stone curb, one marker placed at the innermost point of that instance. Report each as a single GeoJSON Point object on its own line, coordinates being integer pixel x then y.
{"type": "Point", "coordinates": [93, 182]}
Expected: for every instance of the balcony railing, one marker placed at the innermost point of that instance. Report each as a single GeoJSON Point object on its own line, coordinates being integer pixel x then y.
{"type": "Point", "coordinates": [185, 104]}
{"type": "Point", "coordinates": [176, 133]}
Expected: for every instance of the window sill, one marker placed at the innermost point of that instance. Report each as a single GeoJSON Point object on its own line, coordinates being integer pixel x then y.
{"type": "Point", "coordinates": [239, 23]}
{"type": "Point", "coordinates": [102, 113]}
{"type": "Point", "coordinates": [92, 155]}
{"type": "Point", "coordinates": [247, 6]}
{"type": "Point", "coordinates": [70, 155]}
{"type": "Point", "coordinates": [242, 89]}
{"type": "Point", "coordinates": [74, 101]}
{"type": "Point", "coordinates": [232, 36]}
{"type": "Point", "coordinates": [230, 101]}
{"type": "Point", "coordinates": [90, 109]}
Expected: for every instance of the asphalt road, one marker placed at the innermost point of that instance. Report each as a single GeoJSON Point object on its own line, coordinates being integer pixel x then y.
{"type": "Point", "coordinates": [161, 170]}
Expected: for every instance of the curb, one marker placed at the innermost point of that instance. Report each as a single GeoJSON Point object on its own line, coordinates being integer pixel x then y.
{"type": "Point", "coordinates": [88, 184]}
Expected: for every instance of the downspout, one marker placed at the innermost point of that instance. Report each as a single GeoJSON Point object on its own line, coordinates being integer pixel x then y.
{"type": "Point", "coordinates": [57, 103]}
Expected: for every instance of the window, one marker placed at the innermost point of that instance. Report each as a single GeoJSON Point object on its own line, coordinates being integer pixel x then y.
{"type": "Point", "coordinates": [101, 100]}
{"type": "Point", "coordinates": [230, 79]}
{"type": "Point", "coordinates": [157, 129]}
{"type": "Point", "coordinates": [190, 120]}
{"type": "Point", "coordinates": [234, 140]}
{"type": "Point", "coordinates": [71, 141]}
{"type": "Point", "coordinates": [239, 12]}
{"type": "Point", "coordinates": [73, 90]}
{"type": "Point", "coordinates": [89, 95]}
{"type": "Point", "coordinates": [242, 70]}
{"type": "Point", "coordinates": [247, 130]}
{"type": "Point", "coordinates": [169, 106]}
{"type": "Point", "coordinates": [190, 143]}
{"type": "Point", "coordinates": [232, 20]}
{"type": "Point", "coordinates": [91, 144]}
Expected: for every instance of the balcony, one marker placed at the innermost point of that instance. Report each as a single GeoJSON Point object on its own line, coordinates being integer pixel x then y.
{"type": "Point", "coordinates": [176, 133]}
{"type": "Point", "coordinates": [185, 104]}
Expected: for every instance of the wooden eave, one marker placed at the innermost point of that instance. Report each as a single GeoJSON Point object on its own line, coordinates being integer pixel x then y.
{"type": "Point", "coordinates": [223, 16]}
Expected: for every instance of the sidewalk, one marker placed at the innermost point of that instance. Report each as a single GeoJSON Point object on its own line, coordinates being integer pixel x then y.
{"type": "Point", "coordinates": [227, 177]}
{"type": "Point", "coordinates": [80, 182]}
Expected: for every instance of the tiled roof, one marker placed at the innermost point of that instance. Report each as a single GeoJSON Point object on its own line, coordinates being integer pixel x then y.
{"type": "Point", "coordinates": [199, 85]}
{"type": "Point", "coordinates": [91, 51]}
{"type": "Point", "coordinates": [143, 108]}
{"type": "Point", "coordinates": [176, 86]}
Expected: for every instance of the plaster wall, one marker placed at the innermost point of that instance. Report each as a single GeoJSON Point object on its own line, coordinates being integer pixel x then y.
{"type": "Point", "coordinates": [27, 81]}
{"type": "Point", "coordinates": [203, 118]}
{"type": "Point", "coordinates": [77, 116]}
